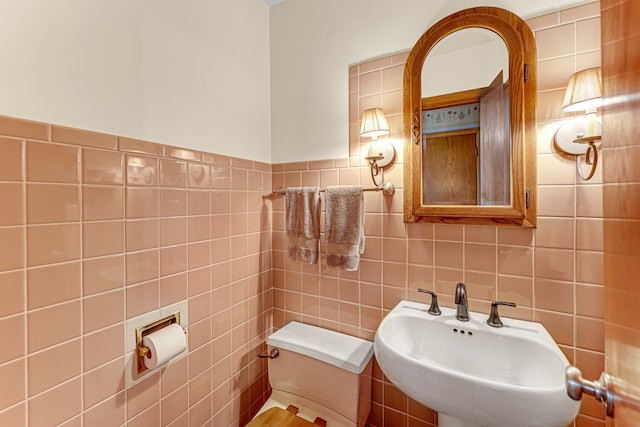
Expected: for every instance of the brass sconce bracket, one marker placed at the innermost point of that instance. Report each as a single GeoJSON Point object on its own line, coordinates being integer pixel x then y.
{"type": "Point", "coordinates": [571, 139]}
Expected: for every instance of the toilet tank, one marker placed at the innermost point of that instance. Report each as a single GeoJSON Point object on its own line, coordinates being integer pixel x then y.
{"type": "Point", "coordinates": [327, 367]}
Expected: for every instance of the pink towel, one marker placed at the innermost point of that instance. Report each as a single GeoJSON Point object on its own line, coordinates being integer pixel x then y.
{"type": "Point", "coordinates": [303, 223]}
{"type": "Point", "coordinates": [344, 227]}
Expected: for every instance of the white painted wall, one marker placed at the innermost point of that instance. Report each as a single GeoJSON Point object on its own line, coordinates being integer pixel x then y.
{"type": "Point", "coordinates": [226, 76]}
{"type": "Point", "coordinates": [189, 73]}
{"type": "Point", "coordinates": [313, 43]}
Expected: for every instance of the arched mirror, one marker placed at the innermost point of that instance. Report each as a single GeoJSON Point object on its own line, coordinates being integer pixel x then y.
{"type": "Point", "coordinates": [469, 113]}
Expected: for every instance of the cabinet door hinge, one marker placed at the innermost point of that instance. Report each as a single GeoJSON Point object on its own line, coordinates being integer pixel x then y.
{"type": "Point", "coordinates": [527, 198]}
{"type": "Point", "coordinates": [526, 73]}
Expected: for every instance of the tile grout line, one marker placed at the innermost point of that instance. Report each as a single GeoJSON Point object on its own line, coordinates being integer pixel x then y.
{"type": "Point", "coordinates": [81, 179]}
{"type": "Point", "coordinates": [24, 278]}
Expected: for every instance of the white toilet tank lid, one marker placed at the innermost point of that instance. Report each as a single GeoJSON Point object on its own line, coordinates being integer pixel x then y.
{"type": "Point", "coordinates": [337, 349]}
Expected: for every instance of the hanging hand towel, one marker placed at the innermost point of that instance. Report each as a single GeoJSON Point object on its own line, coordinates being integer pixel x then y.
{"type": "Point", "coordinates": [303, 223]}
{"type": "Point", "coordinates": [344, 227]}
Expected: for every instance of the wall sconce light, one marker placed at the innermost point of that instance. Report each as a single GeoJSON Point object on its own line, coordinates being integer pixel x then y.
{"type": "Point", "coordinates": [381, 152]}
{"type": "Point", "coordinates": [580, 135]}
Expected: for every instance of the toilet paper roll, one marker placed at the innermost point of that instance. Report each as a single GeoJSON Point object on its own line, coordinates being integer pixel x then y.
{"type": "Point", "coordinates": [164, 345]}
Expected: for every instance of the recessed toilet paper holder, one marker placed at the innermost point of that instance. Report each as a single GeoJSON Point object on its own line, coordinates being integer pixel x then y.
{"type": "Point", "coordinates": [142, 331]}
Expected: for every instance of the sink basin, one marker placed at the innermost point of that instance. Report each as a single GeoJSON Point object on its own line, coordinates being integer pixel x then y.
{"type": "Point", "coordinates": [473, 374]}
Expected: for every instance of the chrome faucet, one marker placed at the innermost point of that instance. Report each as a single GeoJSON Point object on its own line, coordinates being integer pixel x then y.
{"type": "Point", "coordinates": [462, 312]}
{"type": "Point", "coordinates": [434, 308]}
{"type": "Point", "coordinates": [494, 317]}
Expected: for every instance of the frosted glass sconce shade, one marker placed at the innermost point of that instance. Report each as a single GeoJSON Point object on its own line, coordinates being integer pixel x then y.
{"type": "Point", "coordinates": [584, 91]}
{"type": "Point", "coordinates": [374, 123]}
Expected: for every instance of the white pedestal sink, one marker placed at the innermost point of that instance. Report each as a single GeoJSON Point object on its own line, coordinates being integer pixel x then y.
{"type": "Point", "coordinates": [472, 374]}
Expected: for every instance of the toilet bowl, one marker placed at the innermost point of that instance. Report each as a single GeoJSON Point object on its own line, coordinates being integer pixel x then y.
{"type": "Point", "coordinates": [321, 376]}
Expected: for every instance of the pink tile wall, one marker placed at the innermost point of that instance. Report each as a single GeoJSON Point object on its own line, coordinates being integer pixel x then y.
{"type": "Point", "coordinates": [97, 229]}
{"type": "Point", "coordinates": [554, 273]}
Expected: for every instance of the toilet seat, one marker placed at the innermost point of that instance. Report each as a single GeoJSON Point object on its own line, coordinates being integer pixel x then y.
{"type": "Point", "coordinates": [278, 417]}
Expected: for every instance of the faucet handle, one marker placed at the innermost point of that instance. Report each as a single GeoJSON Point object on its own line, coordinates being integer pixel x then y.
{"type": "Point", "coordinates": [494, 316]}
{"type": "Point", "coordinates": [434, 309]}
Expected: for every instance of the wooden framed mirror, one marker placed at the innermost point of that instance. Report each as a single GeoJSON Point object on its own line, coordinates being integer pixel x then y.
{"type": "Point", "coordinates": [470, 127]}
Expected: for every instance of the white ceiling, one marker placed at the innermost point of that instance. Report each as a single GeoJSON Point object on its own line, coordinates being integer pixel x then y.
{"type": "Point", "coordinates": [529, 9]}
